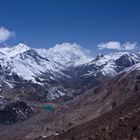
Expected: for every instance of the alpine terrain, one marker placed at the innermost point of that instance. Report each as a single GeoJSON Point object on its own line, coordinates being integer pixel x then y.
{"type": "Point", "coordinates": [63, 93]}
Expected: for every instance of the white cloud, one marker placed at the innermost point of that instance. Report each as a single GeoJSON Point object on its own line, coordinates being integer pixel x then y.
{"type": "Point", "coordinates": [117, 45]}
{"type": "Point", "coordinates": [129, 46]}
{"type": "Point", "coordinates": [5, 34]}
{"type": "Point", "coordinates": [110, 45]}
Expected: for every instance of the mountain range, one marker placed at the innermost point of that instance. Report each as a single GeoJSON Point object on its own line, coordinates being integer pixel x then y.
{"type": "Point", "coordinates": [56, 70]}
{"type": "Point", "coordinates": [80, 87]}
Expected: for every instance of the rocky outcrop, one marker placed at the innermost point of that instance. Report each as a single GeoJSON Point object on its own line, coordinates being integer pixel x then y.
{"type": "Point", "coordinates": [13, 112]}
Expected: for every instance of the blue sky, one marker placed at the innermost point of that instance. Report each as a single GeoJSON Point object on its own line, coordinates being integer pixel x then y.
{"type": "Point", "coordinates": [44, 23]}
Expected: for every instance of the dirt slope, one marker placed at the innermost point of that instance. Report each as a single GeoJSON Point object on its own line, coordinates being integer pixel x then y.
{"type": "Point", "coordinates": [122, 123]}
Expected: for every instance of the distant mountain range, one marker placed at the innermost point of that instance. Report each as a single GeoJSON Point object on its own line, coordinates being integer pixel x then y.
{"type": "Point", "coordinates": [54, 72]}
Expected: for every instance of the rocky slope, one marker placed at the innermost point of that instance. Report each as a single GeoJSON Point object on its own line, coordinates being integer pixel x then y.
{"type": "Point", "coordinates": [119, 124]}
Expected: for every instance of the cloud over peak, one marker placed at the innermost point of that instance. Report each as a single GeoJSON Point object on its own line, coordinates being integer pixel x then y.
{"type": "Point", "coordinates": [5, 34]}
{"type": "Point", "coordinates": [129, 46]}
{"type": "Point", "coordinates": [115, 45]}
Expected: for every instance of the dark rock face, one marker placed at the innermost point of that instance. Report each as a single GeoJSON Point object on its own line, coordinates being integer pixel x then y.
{"type": "Point", "coordinates": [125, 61]}
{"type": "Point", "coordinates": [14, 112]}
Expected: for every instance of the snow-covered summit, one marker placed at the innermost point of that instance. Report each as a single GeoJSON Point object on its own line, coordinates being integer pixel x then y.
{"type": "Point", "coordinates": [20, 48]}
{"type": "Point", "coordinates": [111, 64]}
{"type": "Point", "coordinates": [66, 54]}
{"type": "Point", "coordinates": [12, 51]}
{"type": "Point", "coordinates": [25, 62]}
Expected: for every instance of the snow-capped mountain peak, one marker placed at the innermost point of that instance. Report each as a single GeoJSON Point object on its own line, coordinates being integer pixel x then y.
{"type": "Point", "coordinates": [66, 54]}
{"type": "Point", "coordinates": [12, 51]}
{"type": "Point", "coordinates": [20, 48]}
